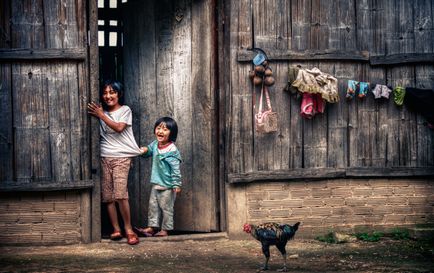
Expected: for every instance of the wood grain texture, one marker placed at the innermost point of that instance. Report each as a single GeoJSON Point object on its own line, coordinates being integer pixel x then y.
{"type": "Point", "coordinates": [170, 74]}
{"type": "Point", "coordinates": [380, 42]}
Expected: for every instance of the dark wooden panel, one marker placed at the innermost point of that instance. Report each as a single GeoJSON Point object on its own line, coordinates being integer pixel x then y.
{"type": "Point", "coordinates": [5, 17]}
{"type": "Point", "coordinates": [27, 24]}
{"type": "Point", "coordinates": [6, 133]}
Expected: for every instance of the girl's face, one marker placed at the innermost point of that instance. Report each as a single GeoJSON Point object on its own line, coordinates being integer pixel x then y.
{"type": "Point", "coordinates": [110, 97]}
{"type": "Point", "coordinates": [162, 133]}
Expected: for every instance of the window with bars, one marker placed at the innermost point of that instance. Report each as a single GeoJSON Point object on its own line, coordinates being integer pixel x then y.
{"type": "Point", "coordinates": [110, 38]}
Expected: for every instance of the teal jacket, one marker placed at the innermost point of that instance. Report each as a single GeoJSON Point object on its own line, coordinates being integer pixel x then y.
{"type": "Point", "coordinates": [165, 167]}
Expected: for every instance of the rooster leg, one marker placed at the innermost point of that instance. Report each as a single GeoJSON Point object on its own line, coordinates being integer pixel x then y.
{"type": "Point", "coordinates": [284, 269]}
{"type": "Point", "coordinates": [282, 250]}
{"type": "Point", "coordinates": [266, 251]}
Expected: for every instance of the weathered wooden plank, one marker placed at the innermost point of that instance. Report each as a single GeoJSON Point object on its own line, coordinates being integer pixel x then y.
{"type": "Point", "coordinates": [389, 172]}
{"type": "Point", "coordinates": [30, 123]}
{"type": "Point", "coordinates": [93, 95]}
{"type": "Point", "coordinates": [402, 58]}
{"type": "Point", "coordinates": [78, 54]}
{"type": "Point", "coordinates": [287, 175]}
{"type": "Point", "coordinates": [34, 162]}
{"type": "Point", "coordinates": [27, 24]}
{"type": "Point", "coordinates": [184, 109]}
{"type": "Point", "coordinates": [164, 31]}
{"type": "Point", "coordinates": [139, 65]}
{"type": "Point", "coordinates": [329, 173]}
{"type": "Point", "coordinates": [60, 22]}
{"type": "Point", "coordinates": [301, 22]}
{"type": "Point", "coordinates": [82, 124]}
{"type": "Point", "coordinates": [204, 199]}
{"type": "Point", "coordinates": [6, 133]}
{"type": "Point", "coordinates": [44, 185]}
{"type": "Point", "coordinates": [239, 103]}
{"type": "Point", "coordinates": [224, 87]}
{"type": "Point", "coordinates": [306, 55]}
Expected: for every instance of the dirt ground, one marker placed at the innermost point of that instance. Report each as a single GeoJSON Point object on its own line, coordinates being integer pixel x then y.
{"type": "Point", "coordinates": [220, 255]}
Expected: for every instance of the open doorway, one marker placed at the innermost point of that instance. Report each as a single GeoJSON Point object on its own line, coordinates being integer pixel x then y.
{"type": "Point", "coordinates": [110, 45]}
{"type": "Point", "coordinates": [165, 54]}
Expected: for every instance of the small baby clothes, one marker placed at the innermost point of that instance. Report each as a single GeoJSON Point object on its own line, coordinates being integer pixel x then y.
{"type": "Point", "coordinates": [381, 91]}
{"type": "Point", "coordinates": [398, 95]}
{"type": "Point", "coordinates": [311, 104]}
{"type": "Point", "coordinates": [352, 88]}
{"type": "Point", "coordinates": [363, 89]}
{"type": "Point", "coordinates": [316, 82]}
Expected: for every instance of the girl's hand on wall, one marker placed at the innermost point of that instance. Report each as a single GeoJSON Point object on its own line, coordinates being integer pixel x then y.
{"type": "Point", "coordinates": [177, 190]}
{"type": "Point", "coordinates": [95, 109]}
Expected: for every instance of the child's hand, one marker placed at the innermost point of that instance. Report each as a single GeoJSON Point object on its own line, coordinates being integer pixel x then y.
{"type": "Point", "coordinates": [177, 190]}
{"type": "Point", "coordinates": [144, 149]}
{"type": "Point", "coordinates": [95, 109]}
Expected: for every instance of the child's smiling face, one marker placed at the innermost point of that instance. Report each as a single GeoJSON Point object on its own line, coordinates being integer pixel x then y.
{"type": "Point", "coordinates": [162, 133]}
{"type": "Point", "coordinates": [110, 97]}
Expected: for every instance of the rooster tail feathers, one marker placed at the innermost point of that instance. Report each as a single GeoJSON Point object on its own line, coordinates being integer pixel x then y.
{"type": "Point", "coordinates": [289, 231]}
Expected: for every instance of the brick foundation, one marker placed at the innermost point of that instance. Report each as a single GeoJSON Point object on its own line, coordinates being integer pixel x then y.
{"type": "Point", "coordinates": [40, 218]}
{"type": "Point", "coordinates": [349, 205]}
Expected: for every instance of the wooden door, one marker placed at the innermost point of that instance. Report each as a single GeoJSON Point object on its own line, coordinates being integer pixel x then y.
{"type": "Point", "coordinates": [169, 71]}
{"type": "Point", "coordinates": [45, 84]}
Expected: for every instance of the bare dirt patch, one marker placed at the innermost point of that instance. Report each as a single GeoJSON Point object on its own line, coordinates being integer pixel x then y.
{"type": "Point", "coordinates": [221, 255]}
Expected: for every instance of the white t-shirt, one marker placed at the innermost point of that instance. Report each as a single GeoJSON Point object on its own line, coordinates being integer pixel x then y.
{"type": "Point", "coordinates": [114, 144]}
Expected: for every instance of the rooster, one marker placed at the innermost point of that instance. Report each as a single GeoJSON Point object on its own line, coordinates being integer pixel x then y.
{"type": "Point", "coordinates": [272, 234]}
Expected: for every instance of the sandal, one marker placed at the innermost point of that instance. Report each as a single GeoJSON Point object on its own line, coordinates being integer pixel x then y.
{"type": "Point", "coordinates": [162, 233]}
{"type": "Point", "coordinates": [144, 232]}
{"type": "Point", "coordinates": [132, 239]}
{"type": "Point", "coordinates": [116, 235]}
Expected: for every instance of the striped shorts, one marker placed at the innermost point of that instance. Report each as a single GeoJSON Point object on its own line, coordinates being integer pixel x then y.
{"type": "Point", "coordinates": [114, 178]}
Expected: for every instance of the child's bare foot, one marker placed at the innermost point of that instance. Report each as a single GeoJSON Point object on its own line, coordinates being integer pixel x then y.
{"type": "Point", "coordinates": [162, 233]}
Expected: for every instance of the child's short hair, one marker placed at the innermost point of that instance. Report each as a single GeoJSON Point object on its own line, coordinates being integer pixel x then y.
{"type": "Point", "coordinates": [171, 125]}
{"type": "Point", "coordinates": [116, 86]}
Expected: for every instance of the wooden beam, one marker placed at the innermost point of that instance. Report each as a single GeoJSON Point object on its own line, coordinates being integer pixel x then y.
{"type": "Point", "coordinates": [14, 186]}
{"type": "Point", "coordinates": [78, 54]}
{"type": "Point", "coordinates": [402, 58]}
{"type": "Point", "coordinates": [308, 55]}
{"type": "Point", "coordinates": [327, 173]}
{"type": "Point", "coordinates": [389, 172]}
{"type": "Point", "coordinates": [363, 56]}
{"type": "Point", "coordinates": [296, 174]}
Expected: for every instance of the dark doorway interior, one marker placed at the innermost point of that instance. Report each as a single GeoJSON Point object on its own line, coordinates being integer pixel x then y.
{"type": "Point", "coordinates": [110, 43]}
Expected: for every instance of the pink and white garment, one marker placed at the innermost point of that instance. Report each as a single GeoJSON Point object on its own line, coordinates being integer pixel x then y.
{"type": "Point", "coordinates": [311, 104]}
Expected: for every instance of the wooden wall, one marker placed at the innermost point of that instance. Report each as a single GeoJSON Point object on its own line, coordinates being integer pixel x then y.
{"type": "Point", "coordinates": [169, 71]}
{"type": "Point", "coordinates": [382, 42]}
{"type": "Point", "coordinates": [45, 132]}
{"type": "Point", "coordinates": [44, 117]}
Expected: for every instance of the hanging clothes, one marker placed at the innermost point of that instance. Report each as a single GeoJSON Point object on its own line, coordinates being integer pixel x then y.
{"type": "Point", "coordinates": [311, 104]}
{"type": "Point", "coordinates": [420, 101]}
{"type": "Point", "coordinates": [314, 81]}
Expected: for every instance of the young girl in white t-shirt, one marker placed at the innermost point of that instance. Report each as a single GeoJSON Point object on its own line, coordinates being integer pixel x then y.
{"type": "Point", "coordinates": [118, 146]}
